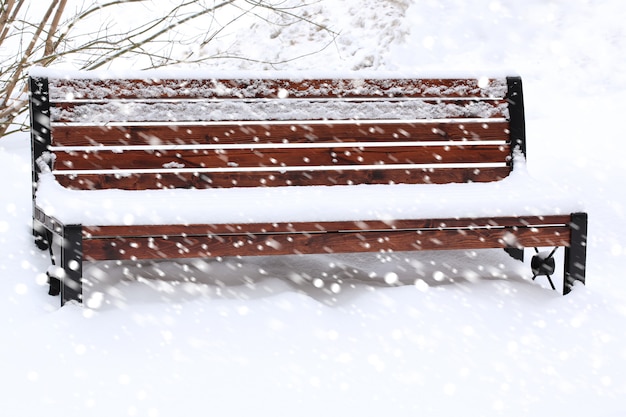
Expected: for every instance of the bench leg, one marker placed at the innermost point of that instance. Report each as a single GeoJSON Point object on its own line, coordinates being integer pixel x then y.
{"type": "Point", "coordinates": [72, 264]}
{"type": "Point", "coordinates": [42, 236]}
{"type": "Point", "coordinates": [44, 239]}
{"type": "Point", "coordinates": [576, 253]}
{"type": "Point", "coordinates": [53, 280]}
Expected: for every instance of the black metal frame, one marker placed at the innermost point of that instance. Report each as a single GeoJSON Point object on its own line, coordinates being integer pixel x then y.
{"type": "Point", "coordinates": [70, 256]}
{"type": "Point", "coordinates": [39, 121]}
{"type": "Point", "coordinates": [517, 118]}
{"type": "Point", "coordinates": [44, 226]}
{"type": "Point", "coordinates": [576, 253]}
{"type": "Point", "coordinates": [517, 127]}
{"type": "Point", "coordinates": [72, 263]}
{"type": "Point", "coordinates": [515, 253]}
{"type": "Point", "coordinates": [40, 141]}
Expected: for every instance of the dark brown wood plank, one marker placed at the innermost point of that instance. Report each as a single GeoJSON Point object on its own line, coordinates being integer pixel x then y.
{"type": "Point", "coordinates": [270, 179]}
{"type": "Point", "coordinates": [93, 232]}
{"type": "Point", "coordinates": [64, 89]}
{"type": "Point", "coordinates": [283, 244]}
{"type": "Point", "coordinates": [229, 133]}
{"type": "Point", "coordinates": [281, 157]}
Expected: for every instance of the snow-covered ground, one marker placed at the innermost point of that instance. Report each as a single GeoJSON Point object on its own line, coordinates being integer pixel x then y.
{"type": "Point", "coordinates": [434, 334]}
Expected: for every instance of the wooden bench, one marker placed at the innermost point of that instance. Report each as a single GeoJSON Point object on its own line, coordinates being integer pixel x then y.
{"type": "Point", "coordinates": [154, 133]}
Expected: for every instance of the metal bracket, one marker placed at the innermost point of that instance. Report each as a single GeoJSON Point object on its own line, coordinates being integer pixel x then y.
{"type": "Point", "coordinates": [543, 264]}
{"type": "Point", "coordinates": [515, 253]}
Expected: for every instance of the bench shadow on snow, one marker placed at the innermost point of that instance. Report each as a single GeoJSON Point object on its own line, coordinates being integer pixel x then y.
{"type": "Point", "coordinates": [333, 280]}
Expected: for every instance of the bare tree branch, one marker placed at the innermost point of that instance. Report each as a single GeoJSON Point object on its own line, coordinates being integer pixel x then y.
{"type": "Point", "coordinates": [9, 13]}
{"type": "Point", "coordinates": [136, 45]}
{"type": "Point", "coordinates": [90, 37]}
{"type": "Point", "coordinates": [49, 50]}
{"type": "Point", "coordinates": [6, 110]}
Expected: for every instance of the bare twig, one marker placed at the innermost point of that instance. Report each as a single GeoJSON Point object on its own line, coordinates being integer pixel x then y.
{"type": "Point", "coordinates": [136, 45]}
{"type": "Point", "coordinates": [5, 109]}
{"type": "Point", "coordinates": [30, 36]}
{"type": "Point", "coordinates": [49, 50]}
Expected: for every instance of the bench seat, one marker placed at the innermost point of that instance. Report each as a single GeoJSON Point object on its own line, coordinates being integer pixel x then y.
{"type": "Point", "coordinates": [519, 194]}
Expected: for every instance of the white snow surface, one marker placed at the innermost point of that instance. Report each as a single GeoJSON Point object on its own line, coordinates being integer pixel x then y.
{"type": "Point", "coordinates": [404, 334]}
{"type": "Point", "coordinates": [274, 110]}
{"type": "Point", "coordinates": [289, 72]}
{"type": "Point", "coordinates": [516, 195]}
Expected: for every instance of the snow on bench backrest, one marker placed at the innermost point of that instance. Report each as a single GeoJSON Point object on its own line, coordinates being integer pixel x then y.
{"type": "Point", "coordinates": [149, 133]}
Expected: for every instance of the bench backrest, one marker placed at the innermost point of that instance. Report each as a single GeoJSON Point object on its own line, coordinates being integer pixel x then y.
{"type": "Point", "coordinates": [201, 133]}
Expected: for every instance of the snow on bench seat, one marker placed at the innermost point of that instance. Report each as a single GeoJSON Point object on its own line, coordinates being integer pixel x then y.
{"type": "Point", "coordinates": [516, 195]}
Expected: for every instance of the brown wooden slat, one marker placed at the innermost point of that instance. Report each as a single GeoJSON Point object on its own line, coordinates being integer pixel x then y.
{"type": "Point", "coordinates": [282, 157]}
{"type": "Point", "coordinates": [256, 179]}
{"type": "Point", "coordinates": [276, 133]}
{"type": "Point", "coordinates": [283, 244]}
{"type": "Point", "coordinates": [62, 89]}
{"type": "Point", "coordinates": [321, 227]}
